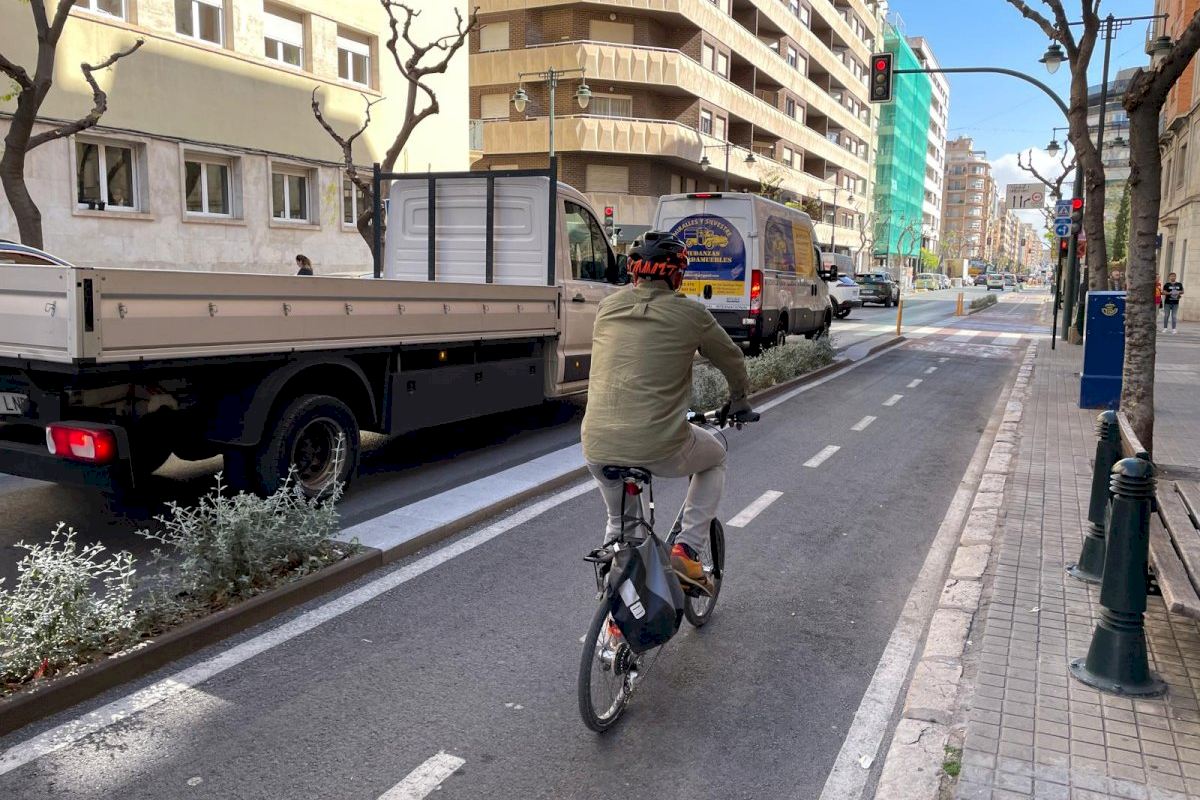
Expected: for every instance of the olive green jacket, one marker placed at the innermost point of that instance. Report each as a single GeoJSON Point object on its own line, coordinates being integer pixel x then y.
{"type": "Point", "coordinates": [640, 386]}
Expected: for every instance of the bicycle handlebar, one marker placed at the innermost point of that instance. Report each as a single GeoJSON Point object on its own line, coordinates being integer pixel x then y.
{"type": "Point", "coordinates": [721, 418]}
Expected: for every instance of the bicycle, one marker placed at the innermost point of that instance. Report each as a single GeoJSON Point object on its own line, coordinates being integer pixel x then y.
{"type": "Point", "coordinates": [608, 659]}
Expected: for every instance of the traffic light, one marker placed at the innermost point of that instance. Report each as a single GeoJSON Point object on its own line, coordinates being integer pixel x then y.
{"type": "Point", "coordinates": [1076, 214]}
{"type": "Point", "coordinates": [1063, 246]}
{"type": "Point", "coordinates": [608, 221]}
{"type": "Point", "coordinates": [881, 78]}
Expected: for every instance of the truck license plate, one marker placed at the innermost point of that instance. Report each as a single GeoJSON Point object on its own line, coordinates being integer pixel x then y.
{"type": "Point", "coordinates": [13, 403]}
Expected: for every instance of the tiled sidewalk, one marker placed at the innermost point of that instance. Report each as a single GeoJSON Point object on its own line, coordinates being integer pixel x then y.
{"type": "Point", "coordinates": [1031, 729]}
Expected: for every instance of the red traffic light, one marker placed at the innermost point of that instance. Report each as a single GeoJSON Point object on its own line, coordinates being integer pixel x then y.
{"type": "Point", "coordinates": [608, 211]}
{"type": "Point", "coordinates": [1076, 203]}
{"type": "Point", "coordinates": [880, 65]}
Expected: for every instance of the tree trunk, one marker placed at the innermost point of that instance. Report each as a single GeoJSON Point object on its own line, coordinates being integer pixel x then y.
{"type": "Point", "coordinates": [12, 170]}
{"type": "Point", "coordinates": [1141, 323]}
{"type": "Point", "coordinates": [1094, 191]}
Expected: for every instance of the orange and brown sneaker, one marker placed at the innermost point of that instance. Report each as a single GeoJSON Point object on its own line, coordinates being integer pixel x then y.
{"type": "Point", "coordinates": [686, 564]}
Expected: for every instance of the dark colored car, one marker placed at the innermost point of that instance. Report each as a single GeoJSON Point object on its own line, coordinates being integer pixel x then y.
{"type": "Point", "coordinates": [981, 279]}
{"type": "Point", "coordinates": [878, 287]}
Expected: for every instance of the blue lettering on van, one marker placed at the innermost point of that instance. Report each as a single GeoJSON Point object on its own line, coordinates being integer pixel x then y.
{"type": "Point", "coordinates": [716, 251]}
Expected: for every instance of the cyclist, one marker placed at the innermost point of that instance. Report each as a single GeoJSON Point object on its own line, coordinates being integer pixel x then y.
{"type": "Point", "coordinates": [643, 345]}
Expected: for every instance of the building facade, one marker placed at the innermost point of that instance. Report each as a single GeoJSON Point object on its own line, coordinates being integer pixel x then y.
{"type": "Point", "coordinates": [1179, 220]}
{"type": "Point", "coordinates": [1115, 154]}
{"type": "Point", "coordinates": [970, 203]}
{"type": "Point", "coordinates": [900, 169]}
{"type": "Point", "coordinates": [677, 80]}
{"type": "Point", "coordinates": [208, 156]}
{"type": "Point", "coordinates": [935, 154]}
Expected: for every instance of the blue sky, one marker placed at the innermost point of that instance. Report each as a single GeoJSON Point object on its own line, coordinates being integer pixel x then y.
{"type": "Point", "coordinates": [1005, 115]}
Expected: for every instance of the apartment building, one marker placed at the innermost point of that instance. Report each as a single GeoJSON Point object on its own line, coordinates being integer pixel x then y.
{"type": "Point", "coordinates": [1179, 220]}
{"type": "Point", "coordinates": [935, 151]}
{"type": "Point", "coordinates": [1115, 154]}
{"type": "Point", "coordinates": [778, 90]}
{"type": "Point", "coordinates": [970, 202]}
{"type": "Point", "coordinates": [208, 156]}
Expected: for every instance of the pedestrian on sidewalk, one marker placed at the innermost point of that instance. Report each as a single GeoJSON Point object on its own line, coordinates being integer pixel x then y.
{"type": "Point", "coordinates": [304, 264]}
{"type": "Point", "coordinates": [1172, 292]}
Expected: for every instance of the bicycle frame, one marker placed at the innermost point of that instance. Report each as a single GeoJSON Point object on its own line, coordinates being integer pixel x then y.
{"type": "Point", "coordinates": [645, 502]}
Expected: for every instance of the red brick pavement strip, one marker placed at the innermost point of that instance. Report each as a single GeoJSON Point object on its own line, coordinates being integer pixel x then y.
{"type": "Point", "coordinates": [1030, 729]}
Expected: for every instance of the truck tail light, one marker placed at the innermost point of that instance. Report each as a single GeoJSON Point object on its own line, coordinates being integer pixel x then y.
{"type": "Point", "coordinates": [93, 446]}
{"type": "Point", "coordinates": [756, 289]}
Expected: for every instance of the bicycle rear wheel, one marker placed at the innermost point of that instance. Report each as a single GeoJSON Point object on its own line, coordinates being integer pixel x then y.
{"type": "Point", "coordinates": [698, 607]}
{"type": "Point", "coordinates": [605, 679]}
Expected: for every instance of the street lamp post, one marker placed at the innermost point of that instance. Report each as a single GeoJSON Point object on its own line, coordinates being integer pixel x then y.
{"type": "Point", "coordinates": [583, 95]}
{"type": "Point", "coordinates": [726, 146]}
{"type": "Point", "coordinates": [833, 224]}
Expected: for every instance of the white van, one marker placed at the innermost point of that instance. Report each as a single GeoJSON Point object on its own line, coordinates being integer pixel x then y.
{"type": "Point", "coordinates": [752, 262]}
{"type": "Point", "coordinates": [844, 293]}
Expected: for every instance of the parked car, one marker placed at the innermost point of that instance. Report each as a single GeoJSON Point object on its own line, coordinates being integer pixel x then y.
{"type": "Point", "coordinates": [1022, 278]}
{"type": "Point", "coordinates": [995, 281]}
{"type": "Point", "coordinates": [14, 253]}
{"type": "Point", "coordinates": [878, 287]}
{"type": "Point", "coordinates": [1010, 281]}
{"type": "Point", "coordinates": [981, 279]}
{"type": "Point", "coordinates": [753, 263]}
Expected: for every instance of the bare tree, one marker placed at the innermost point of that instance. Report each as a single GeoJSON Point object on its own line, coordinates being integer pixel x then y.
{"type": "Point", "coordinates": [420, 103]}
{"type": "Point", "coordinates": [867, 233]}
{"type": "Point", "coordinates": [31, 92]}
{"type": "Point", "coordinates": [1054, 185]}
{"type": "Point", "coordinates": [1144, 100]}
{"type": "Point", "coordinates": [1079, 56]}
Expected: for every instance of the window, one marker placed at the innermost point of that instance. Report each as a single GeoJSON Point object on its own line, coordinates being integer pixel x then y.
{"type": "Point", "coordinates": [200, 19]}
{"type": "Point", "coordinates": [354, 57]}
{"type": "Point", "coordinates": [690, 185]}
{"type": "Point", "coordinates": [793, 58]}
{"type": "Point", "coordinates": [1181, 166]}
{"type": "Point", "coordinates": [493, 36]}
{"type": "Point", "coordinates": [607, 178]}
{"type": "Point", "coordinates": [719, 127]}
{"type": "Point", "coordinates": [706, 121]}
{"type": "Point", "coordinates": [353, 202]}
{"type": "Point", "coordinates": [290, 194]}
{"type": "Point", "coordinates": [676, 184]}
{"type": "Point", "coordinates": [603, 31]}
{"type": "Point", "coordinates": [106, 176]}
{"type": "Point", "coordinates": [494, 106]}
{"type": "Point", "coordinates": [206, 186]}
{"type": "Point", "coordinates": [611, 105]}
{"type": "Point", "coordinates": [723, 64]}
{"type": "Point", "coordinates": [707, 54]}
{"type": "Point", "coordinates": [789, 107]}
{"type": "Point", "coordinates": [588, 246]}
{"type": "Point", "coordinates": [115, 8]}
{"type": "Point", "coordinates": [976, 225]}
{"type": "Point", "coordinates": [788, 154]}
{"type": "Point", "coordinates": [283, 36]}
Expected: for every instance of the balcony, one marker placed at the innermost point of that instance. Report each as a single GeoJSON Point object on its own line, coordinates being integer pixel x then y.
{"type": "Point", "coordinates": [657, 67]}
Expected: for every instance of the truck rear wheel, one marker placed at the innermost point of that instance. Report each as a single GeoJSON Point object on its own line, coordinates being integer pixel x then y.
{"type": "Point", "coordinates": [304, 435]}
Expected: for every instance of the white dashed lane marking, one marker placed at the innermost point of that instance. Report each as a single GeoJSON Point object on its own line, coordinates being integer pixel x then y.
{"type": "Point", "coordinates": [891, 401]}
{"type": "Point", "coordinates": [914, 383]}
{"type": "Point", "coordinates": [931, 370]}
{"type": "Point", "coordinates": [751, 511]}
{"type": "Point", "coordinates": [425, 779]}
{"type": "Point", "coordinates": [821, 457]}
{"type": "Point", "coordinates": [862, 424]}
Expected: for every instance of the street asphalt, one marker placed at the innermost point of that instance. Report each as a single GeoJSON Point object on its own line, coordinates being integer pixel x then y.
{"type": "Point", "coordinates": [476, 657]}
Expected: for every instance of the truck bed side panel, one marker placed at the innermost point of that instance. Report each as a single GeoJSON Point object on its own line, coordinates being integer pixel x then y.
{"type": "Point", "coordinates": [36, 317]}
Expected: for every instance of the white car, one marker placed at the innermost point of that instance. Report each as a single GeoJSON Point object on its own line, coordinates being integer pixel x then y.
{"type": "Point", "coordinates": [844, 295]}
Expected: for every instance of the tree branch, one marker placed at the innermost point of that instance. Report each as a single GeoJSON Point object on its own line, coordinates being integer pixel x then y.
{"type": "Point", "coordinates": [1054, 185]}
{"type": "Point", "coordinates": [1060, 32]}
{"type": "Point", "coordinates": [16, 72]}
{"type": "Point", "coordinates": [1157, 82]}
{"type": "Point", "coordinates": [346, 143]}
{"type": "Point", "coordinates": [99, 98]}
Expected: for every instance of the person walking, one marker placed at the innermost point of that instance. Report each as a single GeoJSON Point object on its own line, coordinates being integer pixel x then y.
{"type": "Point", "coordinates": [304, 264]}
{"type": "Point", "coordinates": [1172, 292]}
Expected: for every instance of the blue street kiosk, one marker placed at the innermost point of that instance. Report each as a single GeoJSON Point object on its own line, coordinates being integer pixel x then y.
{"type": "Point", "coordinates": [1103, 350]}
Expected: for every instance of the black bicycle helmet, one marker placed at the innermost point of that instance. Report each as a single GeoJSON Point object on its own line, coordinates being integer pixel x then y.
{"type": "Point", "coordinates": [660, 255]}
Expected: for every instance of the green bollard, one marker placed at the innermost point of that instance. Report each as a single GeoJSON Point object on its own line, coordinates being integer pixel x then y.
{"type": "Point", "coordinates": [1090, 566]}
{"type": "Point", "coordinates": [1116, 661]}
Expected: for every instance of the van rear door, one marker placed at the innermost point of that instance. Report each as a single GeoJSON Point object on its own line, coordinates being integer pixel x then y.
{"type": "Point", "coordinates": [712, 227]}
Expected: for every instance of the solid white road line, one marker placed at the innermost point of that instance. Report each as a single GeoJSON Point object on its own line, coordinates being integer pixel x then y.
{"type": "Point", "coordinates": [914, 383]}
{"type": "Point", "coordinates": [808, 387]}
{"type": "Point", "coordinates": [931, 370]}
{"type": "Point", "coordinates": [891, 401]}
{"type": "Point", "coordinates": [747, 514]}
{"type": "Point", "coordinates": [820, 457]}
{"type": "Point", "coordinates": [862, 424]}
{"type": "Point", "coordinates": [848, 780]}
{"type": "Point", "coordinates": [423, 780]}
{"type": "Point", "coordinates": [70, 732]}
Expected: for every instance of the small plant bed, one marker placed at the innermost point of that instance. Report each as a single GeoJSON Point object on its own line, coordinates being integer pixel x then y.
{"type": "Point", "coordinates": [775, 366]}
{"type": "Point", "coordinates": [72, 605]}
{"type": "Point", "coordinates": [986, 301]}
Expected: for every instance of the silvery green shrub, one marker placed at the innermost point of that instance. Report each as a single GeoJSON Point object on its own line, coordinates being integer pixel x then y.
{"type": "Point", "coordinates": [774, 366]}
{"type": "Point", "coordinates": [986, 300]}
{"type": "Point", "coordinates": [68, 602]}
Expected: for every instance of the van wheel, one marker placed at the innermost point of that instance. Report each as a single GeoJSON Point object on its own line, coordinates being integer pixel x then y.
{"type": "Point", "coordinates": [304, 434]}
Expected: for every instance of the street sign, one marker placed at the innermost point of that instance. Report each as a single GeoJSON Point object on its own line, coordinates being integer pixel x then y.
{"type": "Point", "coordinates": [1063, 209]}
{"type": "Point", "coordinates": [1062, 229]}
{"type": "Point", "coordinates": [1025, 196]}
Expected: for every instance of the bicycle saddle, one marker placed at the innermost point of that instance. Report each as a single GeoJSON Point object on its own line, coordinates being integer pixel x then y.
{"type": "Point", "coordinates": [615, 473]}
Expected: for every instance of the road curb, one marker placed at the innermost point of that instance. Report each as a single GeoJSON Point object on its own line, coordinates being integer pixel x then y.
{"type": "Point", "coordinates": [913, 765]}
{"type": "Point", "coordinates": [90, 680]}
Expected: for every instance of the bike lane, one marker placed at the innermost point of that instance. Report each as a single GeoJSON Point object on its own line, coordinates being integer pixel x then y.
{"type": "Point", "coordinates": [477, 657]}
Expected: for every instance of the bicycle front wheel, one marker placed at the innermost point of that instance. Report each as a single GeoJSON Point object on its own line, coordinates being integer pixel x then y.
{"type": "Point", "coordinates": [699, 606]}
{"type": "Point", "coordinates": [606, 669]}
